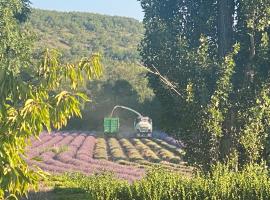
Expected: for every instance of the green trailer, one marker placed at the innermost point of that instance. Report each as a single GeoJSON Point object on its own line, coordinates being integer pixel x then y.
{"type": "Point", "coordinates": [111, 125]}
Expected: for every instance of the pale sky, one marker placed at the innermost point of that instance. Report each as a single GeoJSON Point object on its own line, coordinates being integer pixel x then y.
{"type": "Point", "coordinates": [127, 8]}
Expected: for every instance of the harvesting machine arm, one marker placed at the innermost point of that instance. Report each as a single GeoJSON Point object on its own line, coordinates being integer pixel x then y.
{"type": "Point", "coordinates": [143, 125]}
{"type": "Point", "coordinates": [126, 108]}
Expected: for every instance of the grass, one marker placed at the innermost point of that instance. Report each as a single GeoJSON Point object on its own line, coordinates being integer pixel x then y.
{"type": "Point", "coordinates": [58, 187]}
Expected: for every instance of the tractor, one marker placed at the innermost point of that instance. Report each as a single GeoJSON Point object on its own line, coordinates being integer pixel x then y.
{"type": "Point", "coordinates": [142, 124]}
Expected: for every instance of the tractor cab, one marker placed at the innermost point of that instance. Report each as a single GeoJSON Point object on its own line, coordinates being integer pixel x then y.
{"type": "Point", "coordinates": [143, 126]}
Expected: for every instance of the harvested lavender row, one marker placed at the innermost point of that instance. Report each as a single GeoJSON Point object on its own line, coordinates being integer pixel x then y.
{"type": "Point", "coordinates": [116, 149]}
{"type": "Point", "coordinates": [164, 154]}
{"type": "Point", "coordinates": [100, 151]}
{"type": "Point", "coordinates": [174, 149]}
{"type": "Point", "coordinates": [147, 153]}
{"type": "Point", "coordinates": [67, 157]}
{"type": "Point", "coordinates": [131, 151]}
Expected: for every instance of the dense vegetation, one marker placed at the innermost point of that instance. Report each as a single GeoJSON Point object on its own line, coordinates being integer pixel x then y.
{"type": "Point", "coordinates": [77, 34]}
{"type": "Point", "coordinates": [30, 98]}
{"type": "Point", "coordinates": [251, 183]}
{"type": "Point", "coordinates": [217, 54]}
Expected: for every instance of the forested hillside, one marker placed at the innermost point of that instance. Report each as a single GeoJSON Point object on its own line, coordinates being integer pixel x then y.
{"type": "Point", "coordinates": [77, 35]}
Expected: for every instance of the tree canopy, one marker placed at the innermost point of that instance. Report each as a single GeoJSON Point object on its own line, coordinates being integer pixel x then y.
{"type": "Point", "coordinates": [30, 98]}
{"type": "Point", "coordinates": [77, 34]}
{"type": "Point", "coordinates": [217, 53]}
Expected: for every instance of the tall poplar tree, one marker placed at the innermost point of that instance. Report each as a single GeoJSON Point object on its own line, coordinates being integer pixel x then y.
{"type": "Point", "coordinates": [217, 53]}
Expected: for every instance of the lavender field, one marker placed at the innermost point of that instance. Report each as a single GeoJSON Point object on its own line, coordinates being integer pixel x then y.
{"type": "Point", "coordinates": [61, 152]}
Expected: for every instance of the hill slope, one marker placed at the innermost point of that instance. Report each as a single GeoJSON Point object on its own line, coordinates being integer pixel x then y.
{"type": "Point", "coordinates": [77, 35]}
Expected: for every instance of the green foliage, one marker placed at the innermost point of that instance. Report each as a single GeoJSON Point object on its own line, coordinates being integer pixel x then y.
{"type": "Point", "coordinates": [222, 183]}
{"type": "Point", "coordinates": [80, 34]}
{"type": "Point", "coordinates": [30, 98]}
{"type": "Point", "coordinates": [116, 38]}
{"type": "Point", "coordinates": [222, 108]}
{"type": "Point", "coordinates": [102, 186]}
{"type": "Point", "coordinates": [255, 132]}
{"type": "Point", "coordinates": [218, 107]}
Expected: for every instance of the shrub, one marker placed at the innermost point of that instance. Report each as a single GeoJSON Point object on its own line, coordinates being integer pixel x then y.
{"type": "Point", "coordinates": [103, 186]}
{"type": "Point", "coordinates": [252, 182]}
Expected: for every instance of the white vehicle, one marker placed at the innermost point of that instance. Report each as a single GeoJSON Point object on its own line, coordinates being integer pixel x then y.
{"type": "Point", "coordinates": [142, 125]}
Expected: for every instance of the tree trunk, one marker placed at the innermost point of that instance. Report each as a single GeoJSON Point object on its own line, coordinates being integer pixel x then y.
{"type": "Point", "coordinates": [226, 11]}
{"type": "Point", "coordinates": [225, 26]}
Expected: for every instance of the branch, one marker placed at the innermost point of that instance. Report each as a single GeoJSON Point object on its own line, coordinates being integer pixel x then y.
{"type": "Point", "coordinates": [162, 78]}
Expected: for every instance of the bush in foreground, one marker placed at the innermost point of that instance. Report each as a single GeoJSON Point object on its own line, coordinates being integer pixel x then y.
{"type": "Point", "coordinates": [251, 183]}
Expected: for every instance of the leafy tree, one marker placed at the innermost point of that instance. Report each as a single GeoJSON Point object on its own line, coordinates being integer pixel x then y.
{"type": "Point", "coordinates": [191, 43]}
{"type": "Point", "coordinates": [30, 98]}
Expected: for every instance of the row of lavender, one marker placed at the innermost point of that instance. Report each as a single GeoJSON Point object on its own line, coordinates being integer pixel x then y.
{"type": "Point", "coordinates": [77, 157]}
